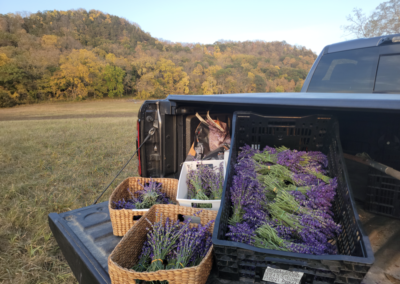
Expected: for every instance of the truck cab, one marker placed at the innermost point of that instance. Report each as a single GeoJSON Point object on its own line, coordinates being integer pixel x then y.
{"type": "Point", "coordinates": [356, 81]}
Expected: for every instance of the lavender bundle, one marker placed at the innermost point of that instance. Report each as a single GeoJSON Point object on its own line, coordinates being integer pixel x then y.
{"type": "Point", "coordinates": [282, 200]}
{"type": "Point", "coordinates": [193, 246]}
{"type": "Point", "coordinates": [205, 183]}
{"type": "Point", "coordinates": [150, 195]}
{"type": "Point", "coordinates": [174, 245]}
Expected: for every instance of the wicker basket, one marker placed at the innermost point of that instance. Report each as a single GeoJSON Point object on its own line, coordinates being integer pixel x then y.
{"type": "Point", "coordinates": [126, 253]}
{"type": "Point", "coordinates": [123, 219]}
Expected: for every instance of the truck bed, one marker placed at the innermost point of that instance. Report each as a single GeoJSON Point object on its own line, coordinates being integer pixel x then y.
{"type": "Point", "coordinates": [86, 240]}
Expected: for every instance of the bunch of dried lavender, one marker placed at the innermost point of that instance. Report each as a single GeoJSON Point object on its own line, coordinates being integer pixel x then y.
{"type": "Point", "coordinates": [150, 195]}
{"type": "Point", "coordinates": [174, 245]}
{"type": "Point", "coordinates": [205, 183]}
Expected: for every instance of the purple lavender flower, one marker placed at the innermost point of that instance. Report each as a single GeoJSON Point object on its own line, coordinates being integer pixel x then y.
{"type": "Point", "coordinates": [270, 150]}
{"type": "Point", "coordinates": [122, 204]}
{"type": "Point", "coordinates": [150, 194]}
{"type": "Point", "coordinates": [254, 215]}
{"type": "Point", "coordinates": [265, 216]}
{"type": "Point", "coordinates": [144, 258]}
{"type": "Point", "coordinates": [241, 232]}
{"type": "Point", "coordinates": [162, 239]}
{"type": "Point", "coordinates": [174, 245]}
{"type": "Point", "coordinates": [192, 244]}
{"type": "Point", "coordinates": [246, 193]}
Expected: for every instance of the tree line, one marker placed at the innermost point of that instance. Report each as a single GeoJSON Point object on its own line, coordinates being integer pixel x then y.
{"type": "Point", "coordinates": [80, 54]}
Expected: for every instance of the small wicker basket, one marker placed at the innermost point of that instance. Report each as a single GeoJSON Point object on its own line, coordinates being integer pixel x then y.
{"type": "Point", "coordinates": [123, 219]}
{"type": "Point", "coordinates": [126, 253]}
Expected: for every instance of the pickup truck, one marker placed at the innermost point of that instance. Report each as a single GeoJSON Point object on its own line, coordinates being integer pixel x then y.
{"type": "Point", "coordinates": [357, 81]}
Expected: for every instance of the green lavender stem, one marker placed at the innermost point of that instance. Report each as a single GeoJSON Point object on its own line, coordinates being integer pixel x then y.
{"type": "Point", "coordinates": [267, 237]}
{"type": "Point", "coordinates": [275, 185]}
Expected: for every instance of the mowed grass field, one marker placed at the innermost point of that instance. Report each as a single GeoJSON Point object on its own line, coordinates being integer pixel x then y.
{"type": "Point", "coordinates": [56, 157]}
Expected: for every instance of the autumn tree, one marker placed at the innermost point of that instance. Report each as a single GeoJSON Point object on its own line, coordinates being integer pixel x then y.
{"type": "Point", "coordinates": [209, 86]}
{"type": "Point", "coordinates": [114, 77]}
{"type": "Point", "coordinates": [77, 75]}
{"type": "Point", "coordinates": [6, 99]}
{"type": "Point", "coordinates": [384, 20]}
{"type": "Point", "coordinates": [260, 84]}
{"type": "Point", "coordinates": [3, 59]}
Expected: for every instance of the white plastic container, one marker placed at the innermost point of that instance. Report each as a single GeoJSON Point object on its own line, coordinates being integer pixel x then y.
{"type": "Point", "coordinates": [182, 191]}
{"type": "Point", "coordinates": [226, 157]}
{"type": "Point", "coordinates": [144, 210]}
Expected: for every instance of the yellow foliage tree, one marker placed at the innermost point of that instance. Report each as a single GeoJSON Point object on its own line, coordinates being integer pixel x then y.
{"type": "Point", "coordinates": [3, 59]}
{"type": "Point", "coordinates": [199, 70]}
{"type": "Point", "coordinates": [172, 79]}
{"type": "Point", "coordinates": [217, 52]}
{"type": "Point", "coordinates": [145, 64]}
{"type": "Point", "coordinates": [251, 87]}
{"type": "Point", "coordinates": [230, 85]}
{"type": "Point", "coordinates": [247, 67]}
{"type": "Point", "coordinates": [183, 85]}
{"type": "Point", "coordinates": [209, 86]}
{"type": "Point", "coordinates": [78, 71]}
{"type": "Point", "coordinates": [110, 58]}
{"type": "Point", "coordinates": [145, 86]}
{"type": "Point", "coordinates": [49, 40]}
{"type": "Point", "coordinates": [212, 70]}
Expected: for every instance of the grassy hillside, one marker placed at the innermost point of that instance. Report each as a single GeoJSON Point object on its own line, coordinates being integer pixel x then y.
{"type": "Point", "coordinates": [77, 54]}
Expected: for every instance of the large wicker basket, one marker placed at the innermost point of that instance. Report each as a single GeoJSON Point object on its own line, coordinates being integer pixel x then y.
{"type": "Point", "coordinates": [126, 253]}
{"type": "Point", "coordinates": [123, 219]}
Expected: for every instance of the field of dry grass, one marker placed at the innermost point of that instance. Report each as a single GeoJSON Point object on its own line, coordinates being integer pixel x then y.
{"type": "Point", "coordinates": [55, 164]}
{"type": "Point", "coordinates": [59, 110]}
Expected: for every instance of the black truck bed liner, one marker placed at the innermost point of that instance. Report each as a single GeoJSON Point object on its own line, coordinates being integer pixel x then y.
{"type": "Point", "coordinates": [86, 240]}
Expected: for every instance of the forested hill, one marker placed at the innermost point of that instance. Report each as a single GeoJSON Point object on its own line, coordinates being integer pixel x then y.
{"type": "Point", "coordinates": [77, 54]}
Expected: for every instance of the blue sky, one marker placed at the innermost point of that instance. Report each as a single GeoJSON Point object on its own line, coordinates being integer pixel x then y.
{"type": "Point", "coordinates": [310, 23]}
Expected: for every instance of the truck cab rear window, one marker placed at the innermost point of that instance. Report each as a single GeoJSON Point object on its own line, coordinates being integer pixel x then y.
{"type": "Point", "coordinates": [388, 75]}
{"type": "Point", "coordinates": [351, 71]}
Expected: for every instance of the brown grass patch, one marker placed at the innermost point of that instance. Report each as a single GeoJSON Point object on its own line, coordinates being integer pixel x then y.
{"type": "Point", "coordinates": [86, 109]}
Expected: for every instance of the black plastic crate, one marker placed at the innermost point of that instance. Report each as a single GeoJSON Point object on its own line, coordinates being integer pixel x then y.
{"type": "Point", "coordinates": [248, 263]}
{"type": "Point", "coordinates": [383, 194]}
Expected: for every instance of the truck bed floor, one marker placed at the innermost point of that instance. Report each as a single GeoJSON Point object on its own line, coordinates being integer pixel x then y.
{"type": "Point", "coordinates": [86, 240]}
